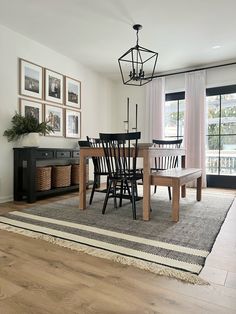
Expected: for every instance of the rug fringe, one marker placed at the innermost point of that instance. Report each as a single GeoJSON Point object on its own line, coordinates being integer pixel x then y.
{"type": "Point", "coordinates": [125, 260]}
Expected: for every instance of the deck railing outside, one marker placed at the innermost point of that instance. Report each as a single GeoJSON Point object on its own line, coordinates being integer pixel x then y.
{"type": "Point", "coordinates": [227, 162]}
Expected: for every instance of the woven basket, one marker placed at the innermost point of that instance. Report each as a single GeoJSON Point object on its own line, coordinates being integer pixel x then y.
{"type": "Point", "coordinates": [43, 178]}
{"type": "Point", "coordinates": [75, 174]}
{"type": "Point", "coordinates": [61, 176]}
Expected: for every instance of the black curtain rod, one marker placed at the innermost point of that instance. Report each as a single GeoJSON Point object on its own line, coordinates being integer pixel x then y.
{"type": "Point", "coordinates": [194, 70]}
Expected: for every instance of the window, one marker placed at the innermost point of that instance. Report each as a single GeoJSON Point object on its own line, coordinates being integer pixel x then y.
{"type": "Point", "coordinates": [221, 132]}
{"type": "Point", "coordinates": [174, 115]}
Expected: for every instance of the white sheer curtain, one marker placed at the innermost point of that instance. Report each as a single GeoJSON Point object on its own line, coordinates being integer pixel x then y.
{"type": "Point", "coordinates": [155, 104]}
{"type": "Point", "coordinates": [195, 121]}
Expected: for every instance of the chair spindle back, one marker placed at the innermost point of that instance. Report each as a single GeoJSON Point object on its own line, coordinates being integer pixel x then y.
{"type": "Point", "coordinates": [120, 151]}
{"type": "Point", "coordinates": [167, 162]}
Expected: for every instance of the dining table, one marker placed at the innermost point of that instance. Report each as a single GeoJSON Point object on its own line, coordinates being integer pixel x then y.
{"type": "Point", "coordinates": [146, 153]}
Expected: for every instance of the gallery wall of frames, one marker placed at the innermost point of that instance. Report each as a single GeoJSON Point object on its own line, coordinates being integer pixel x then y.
{"type": "Point", "coordinates": [50, 96]}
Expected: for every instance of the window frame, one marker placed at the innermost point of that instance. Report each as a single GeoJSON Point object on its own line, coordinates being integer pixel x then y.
{"type": "Point", "coordinates": [173, 97]}
{"type": "Point", "coordinates": [221, 180]}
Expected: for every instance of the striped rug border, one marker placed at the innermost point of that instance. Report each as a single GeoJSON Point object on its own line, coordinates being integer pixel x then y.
{"type": "Point", "coordinates": [124, 236]}
{"type": "Point", "coordinates": [157, 269]}
{"type": "Point", "coordinates": [194, 268]}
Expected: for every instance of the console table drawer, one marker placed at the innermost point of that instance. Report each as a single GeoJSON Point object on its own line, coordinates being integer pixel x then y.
{"type": "Point", "coordinates": [75, 154]}
{"type": "Point", "coordinates": [63, 154]}
{"type": "Point", "coordinates": [44, 154]}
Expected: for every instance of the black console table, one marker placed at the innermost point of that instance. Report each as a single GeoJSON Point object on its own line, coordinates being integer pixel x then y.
{"type": "Point", "coordinates": [26, 160]}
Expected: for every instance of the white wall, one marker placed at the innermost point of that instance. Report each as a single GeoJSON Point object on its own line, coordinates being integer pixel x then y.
{"type": "Point", "coordinates": [136, 96]}
{"type": "Point", "coordinates": [96, 95]}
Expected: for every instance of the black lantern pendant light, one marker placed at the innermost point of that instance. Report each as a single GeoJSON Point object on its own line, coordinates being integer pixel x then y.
{"type": "Point", "coordinates": [137, 65]}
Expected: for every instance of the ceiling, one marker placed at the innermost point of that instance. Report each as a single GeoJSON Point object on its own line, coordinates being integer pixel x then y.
{"type": "Point", "coordinates": [96, 33]}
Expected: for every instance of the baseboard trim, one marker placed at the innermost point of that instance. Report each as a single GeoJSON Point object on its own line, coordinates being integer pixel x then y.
{"type": "Point", "coordinates": [4, 199]}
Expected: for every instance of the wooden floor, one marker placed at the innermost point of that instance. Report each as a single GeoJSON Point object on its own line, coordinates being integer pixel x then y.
{"type": "Point", "coordinates": [38, 277]}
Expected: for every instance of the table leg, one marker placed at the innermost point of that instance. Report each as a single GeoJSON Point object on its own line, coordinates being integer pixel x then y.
{"type": "Point", "coordinates": [199, 188]}
{"type": "Point", "coordinates": [175, 201]}
{"type": "Point", "coordinates": [146, 186]}
{"type": "Point", "coordinates": [82, 181]}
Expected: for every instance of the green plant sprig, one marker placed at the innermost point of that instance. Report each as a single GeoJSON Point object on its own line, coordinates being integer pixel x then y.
{"type": "Point", "coordinates": [25, 125]}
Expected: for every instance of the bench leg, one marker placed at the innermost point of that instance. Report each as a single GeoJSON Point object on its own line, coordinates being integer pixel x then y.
{"type": "Point", "coordinates": [183, 191]}
{"type": "Point", "coordinates": [199, 188]}
{"type": "Point", "coordinates": [175, 201]}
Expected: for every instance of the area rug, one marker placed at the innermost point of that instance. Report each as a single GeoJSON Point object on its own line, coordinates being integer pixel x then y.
{"type": "Point", "coordinates": [174, 249]}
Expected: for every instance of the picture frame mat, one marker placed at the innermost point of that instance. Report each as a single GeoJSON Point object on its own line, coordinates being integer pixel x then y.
{"type": "Point", "coordinates": [57, 76]}
{"type": "Point", "coordinates": [70, 112]}
{"type": "Point", "coordinates": [76, 83]}
{"type": "Point", "coordinates": [56, 114]}
{"type": "Point", "coordinates": [33, 68]}
{"type": "Point", "coordinates": [23, 103]}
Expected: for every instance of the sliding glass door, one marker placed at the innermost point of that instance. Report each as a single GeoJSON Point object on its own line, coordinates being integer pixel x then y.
{"type": "Point", "coordinates": [221, 137]}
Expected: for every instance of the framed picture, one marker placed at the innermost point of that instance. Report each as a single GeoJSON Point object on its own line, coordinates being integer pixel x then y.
{"type": "Point", "coordinates": [29, 107]}
{"type": "Point", "coordinates": [73, 123]}
{"type": "Point", "coordinates": [54, 115]}
{"type": "Point", "coordinates": [53, 86]}
{"type": "Point", "coordinates": [73, 93]}
{"type": "Point", "coordinates": [31, 79]}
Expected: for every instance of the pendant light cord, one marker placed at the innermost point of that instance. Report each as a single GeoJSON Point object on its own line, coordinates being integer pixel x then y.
{"type": "Point", "coordinates": [137, 37]}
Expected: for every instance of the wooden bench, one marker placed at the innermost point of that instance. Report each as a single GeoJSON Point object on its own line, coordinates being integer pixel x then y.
{"type": "Point", "coordinates": [177, 178]}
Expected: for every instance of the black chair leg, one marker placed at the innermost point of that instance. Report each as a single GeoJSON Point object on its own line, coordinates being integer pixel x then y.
{"type": "Point", "coordinates": [107, 183]}
{"type": "Point", "coordinates": [127, 188]}
{"type": "Point", "coordinates": [106, 198]}
{"type": "Point", "coordinates": [114, 193]}
{"type": "Point", "coordinates": [133, 189]}
{"type": "Point", "coordinates": [93, 190]}
{"type": "Point", "coordinates": [121, 192]}
{"type": "Point", "coordinates": [136, 189]}
{"type": "Point", "coordinates": [169, 191]}
{"type": "Point", "coordinates": [155, 189]}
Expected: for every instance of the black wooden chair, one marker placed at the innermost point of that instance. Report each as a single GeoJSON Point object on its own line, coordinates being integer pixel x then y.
{"type": "Point", "coordinates": [100, 168]}
{"type": "Point", "coordinates": [166, 162]}
{"type": "Point", "coordinates": [121, 159]}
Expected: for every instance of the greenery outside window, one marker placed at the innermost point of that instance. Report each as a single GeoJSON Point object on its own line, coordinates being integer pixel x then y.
{"type": "Point", "coordinates": [174, 115]}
